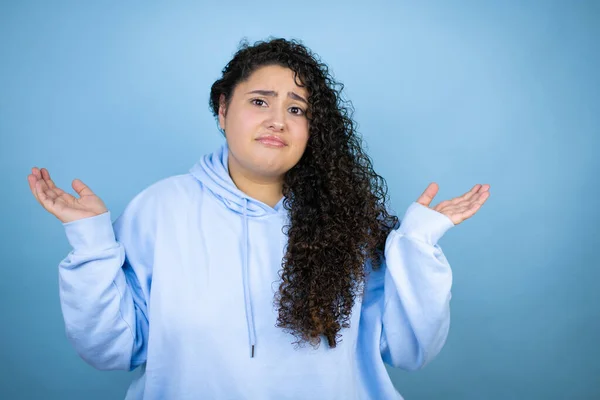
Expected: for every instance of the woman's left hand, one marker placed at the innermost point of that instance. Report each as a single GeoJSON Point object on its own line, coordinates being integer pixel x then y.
{"type": "Point", "coordinates": [460, 208]}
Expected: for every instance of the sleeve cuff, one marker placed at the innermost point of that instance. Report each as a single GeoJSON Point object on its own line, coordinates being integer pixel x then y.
{"type": "Point", "coordinates": [91, 234]}
{"type": "Point", "coordinates": [424, 223]}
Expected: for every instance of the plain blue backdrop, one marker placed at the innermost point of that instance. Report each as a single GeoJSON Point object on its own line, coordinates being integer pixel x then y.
{"type": "Point", "coordinates": [456, 92]}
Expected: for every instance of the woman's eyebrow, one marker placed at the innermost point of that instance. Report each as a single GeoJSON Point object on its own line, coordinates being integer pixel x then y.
{"type": "Point", "coordinates": [275, 94]}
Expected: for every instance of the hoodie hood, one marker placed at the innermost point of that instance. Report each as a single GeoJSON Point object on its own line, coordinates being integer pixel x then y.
{"type": "Point", "coordinates": [213, 172]}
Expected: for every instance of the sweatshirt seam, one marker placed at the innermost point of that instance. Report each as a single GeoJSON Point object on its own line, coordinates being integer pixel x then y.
{"type": "Point", "coordinates": [416, 237]}
{"type": "Point", "coordinates": [79, 251]}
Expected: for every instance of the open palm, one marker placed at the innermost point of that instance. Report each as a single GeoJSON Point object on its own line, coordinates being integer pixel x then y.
{"type": "Point", "coordinates": [61, 204]}
{"type": "Point", "coordinates": [459, 208]}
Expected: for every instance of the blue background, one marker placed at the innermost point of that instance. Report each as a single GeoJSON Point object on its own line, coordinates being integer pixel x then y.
{"type": "Point", "coordinates": [461, 92]}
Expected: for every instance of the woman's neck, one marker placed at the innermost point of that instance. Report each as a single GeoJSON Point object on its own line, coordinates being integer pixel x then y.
{"type": "Point", "coordinates": [264, 189]}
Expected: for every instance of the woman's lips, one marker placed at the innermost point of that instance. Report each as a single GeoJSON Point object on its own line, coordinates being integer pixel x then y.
{"type": "Point", "coordinates": [271, 142]}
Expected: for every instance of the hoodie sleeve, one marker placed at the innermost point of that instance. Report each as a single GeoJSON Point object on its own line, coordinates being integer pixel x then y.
{"type": "Point", "coordinates": [104, 284]}
{"type": "Point", "coordinates": [416, 290]}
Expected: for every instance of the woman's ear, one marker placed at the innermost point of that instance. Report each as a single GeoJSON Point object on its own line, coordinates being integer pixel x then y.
{"type": "Point", "coordinates": [222, 111]}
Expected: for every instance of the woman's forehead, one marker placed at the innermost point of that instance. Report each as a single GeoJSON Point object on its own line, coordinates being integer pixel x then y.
{"type": "Point", "coordinates": [274, 77]}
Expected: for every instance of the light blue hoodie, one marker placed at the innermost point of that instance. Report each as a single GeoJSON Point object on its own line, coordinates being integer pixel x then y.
{"type": "Point", "coordinates": [182, 285]}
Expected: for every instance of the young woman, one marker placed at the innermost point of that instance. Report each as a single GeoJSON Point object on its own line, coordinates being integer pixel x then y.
{"type": "Point", "coordinates": [272, 269]}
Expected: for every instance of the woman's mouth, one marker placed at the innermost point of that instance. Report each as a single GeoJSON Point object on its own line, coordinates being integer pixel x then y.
{"type": "Point", "coordinates": [270, 141]}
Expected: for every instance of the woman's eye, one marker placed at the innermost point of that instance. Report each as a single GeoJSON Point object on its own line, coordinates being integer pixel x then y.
{"type": "Point", "coordinates": [297, 110]}
{"type": "Point", "coordinates": [262, 103]}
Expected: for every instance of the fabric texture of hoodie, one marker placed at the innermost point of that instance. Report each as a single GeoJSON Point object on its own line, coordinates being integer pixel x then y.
{"type": "Point", "coordinates": [181, 288]}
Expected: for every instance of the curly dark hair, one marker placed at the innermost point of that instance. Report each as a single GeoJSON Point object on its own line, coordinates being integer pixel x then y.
{"type": "Point", "coordinates": [337, 203]}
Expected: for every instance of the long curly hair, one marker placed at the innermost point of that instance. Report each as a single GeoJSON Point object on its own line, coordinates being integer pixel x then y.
{"type": "Point", "coordinates": [336, 201]}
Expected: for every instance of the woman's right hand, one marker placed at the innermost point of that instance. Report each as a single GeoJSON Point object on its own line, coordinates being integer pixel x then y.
{"type": "Point", "coordinates": [62, 205]}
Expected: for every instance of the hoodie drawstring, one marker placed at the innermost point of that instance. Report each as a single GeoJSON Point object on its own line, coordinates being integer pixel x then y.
{"type": "Point", "coordinates": [249, 315]}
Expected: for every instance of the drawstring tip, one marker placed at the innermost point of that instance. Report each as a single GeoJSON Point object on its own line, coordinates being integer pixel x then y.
{"type": "Point", "coordinates": [252, 351]}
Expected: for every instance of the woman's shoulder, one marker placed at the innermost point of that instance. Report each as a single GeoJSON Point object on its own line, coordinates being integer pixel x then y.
{"type": "Point", "coordinates": [173, 185]}
{"type": "Point", "coordinates": [171, 191]}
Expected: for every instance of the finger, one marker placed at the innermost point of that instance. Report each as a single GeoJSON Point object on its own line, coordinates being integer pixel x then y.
{"type": "Point", "coordinates": [51, 185]}
{"type": "Point", "coordinates": [31, 179]}
{"type": "Point", "coordinates": [36, 172]}
{"type": "Point", "coordinates": [49, 193]}
{"type": "Point", "coordinates": [466, 209]}
{"type": "Point", "coordinates": [474, 190]}
{"type": "Point", "coordinates": [478, 197]}
{"type": "Point", "coordinates": [45, 201]}
{"type": "Point", "coordinates": [39, 174]}
{"type": "Point", "coordinates": [46, 177]}
{"type": "Point", "coordinates": [483, 197]}
{"type": "Point", "coordinates": [476, 201]}
{"type": "Point", "coordinates": [81, 188]}
{"type": "Point", "coordinates": [473, 195]}
{"type": "Point", "coordinates": [469, 212]}
{"type": "Point", "coordinates": [428, 195]}
{"type": "Point", "coordinates": [475, 204]}
{"type": "Point", "coordinates": [58, 191]}
{"type": "Point", "coordinates": [467, 201]}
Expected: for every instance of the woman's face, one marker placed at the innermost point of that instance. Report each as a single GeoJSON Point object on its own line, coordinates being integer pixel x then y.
{"type": "Point", "coordinates": [265, 124]}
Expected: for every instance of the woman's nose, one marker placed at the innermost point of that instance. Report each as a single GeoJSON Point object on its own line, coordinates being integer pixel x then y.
{"type": "Point", "coordinates": [277, 120]}
{"type": "Point", "coordinates": [276, 125]}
